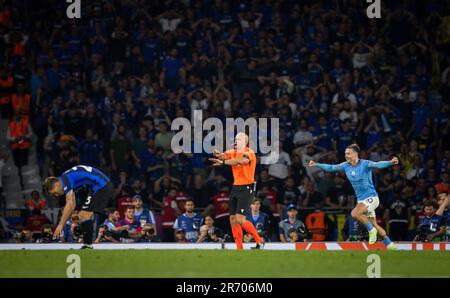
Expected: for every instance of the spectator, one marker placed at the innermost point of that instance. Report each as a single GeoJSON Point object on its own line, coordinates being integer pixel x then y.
{"type": "Point", "coordinates": [180, 236]}
{"type": "Point", "coordinates": [36, 221]}
{"type": "Point", "coordinates": [72, 229]}
{"type": "Point", "coordinates": [148, 234]}
{"type": "Point", "coordinates": [339, 195]}
{"type": "Point", "coordinates": [120, 150]}
{"type": "Point", "coordinates": [24, 236]}
{"type": "Point", "coordinates": [289, 224]}
{"type": "Point", "coordinates": [35, 201]}
{"type": "Point", "coordinates": [259, 219]}
{"type": "Point", "coordinates": [111, 224]}
{"type": "Point", "coordinates": [189, 221]}
{"type": "Point", "coordinates": [90, 150]}
{"type": "Point", "coordinates": [133, 226]}
{"type": "Point", "coordinates": [19, 137]}
{"type": "Point", "coordinates": [3, 159]}
{"type": "Point", "coordinates": [397, 215]}
{"type": "Point", "coordinates": [204, 229]}
{"type": "Point", "coordinates": [169, 214]}
{"type": "Point", "coordinates": [310, 198]}
{"type": "Point", "coordinates": [46, 235]}
{"type": "Point", "coordinates": [142, 215]}
{"type": "Point", "coordinates": [220, 208]}
{"type": "Point", "coordinates": [431, 227]}
{"type": "Point", "coordinates": [103, 235]}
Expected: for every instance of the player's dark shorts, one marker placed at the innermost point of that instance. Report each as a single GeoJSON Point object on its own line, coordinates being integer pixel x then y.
{"type": "Point", "coordinates": [241, 197]}
{"type": "Point", "coordinates": [97, 202]}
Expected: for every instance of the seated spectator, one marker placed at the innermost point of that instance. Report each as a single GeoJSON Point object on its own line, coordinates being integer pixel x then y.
{"type": "Point", "coordinates": [169, 214]}
{"type": "Point", "coordinates": [291, 222]}
{"type": "Point", "coordinates": [208, 224]}
{"type": "Point", "coordinates": [180, 236]}
{"type": "Point", "coordinates": [104, 236]}
{"type": "Point", "coordinates": [143, 216]}
{"type": "Point", "coordinates": [72, 229]}
{"type": "Point", "coordinates": [36, 221]}
{"type": "Point", "coordinates": [111, 224]}
{"type": "Point", "coordinates": [24, 236]}
{"type": "Point", "coordinates": [431, 227]}
{"type": "Point", "coordinates": [3, 158]}
{"type": "Point", "coordinates": [132, 226]}
{"type": "Point", "coordinates": [46, 235]}
{"type": "Point", "coordinates": [260, 220]}
{"type": "Point", "coordinates": [35, 201]}
{"type": "Point", "coordinates": [445, 217]}
{"type": "Point", "coordinates": [148, 234]}
{"type": "Point", "coordinates": [189, 221]}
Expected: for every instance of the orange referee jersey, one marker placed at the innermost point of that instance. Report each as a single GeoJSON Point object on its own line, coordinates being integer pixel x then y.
{"type": "Point", "coordinates": [245, 173]}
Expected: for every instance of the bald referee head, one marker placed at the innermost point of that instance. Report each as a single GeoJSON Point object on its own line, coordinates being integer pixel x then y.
{"type": "Point", "coordinates": [241, 141]}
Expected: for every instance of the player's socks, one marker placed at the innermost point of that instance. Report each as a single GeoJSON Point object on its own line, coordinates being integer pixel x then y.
{"type": "Point", "coordinates": [372, 233]}
{"type": "Point", "coordinates": [87, 228]}
{"type": "Point", "coordinates": [389, 244]}
{"type": "Point", "coordinates": [369, 226]}
{"type": "Point", "coordinates": [237, 235]}
{"type": "Point", "coordinates": [250, 228]}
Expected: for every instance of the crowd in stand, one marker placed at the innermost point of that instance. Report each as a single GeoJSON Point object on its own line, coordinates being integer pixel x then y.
{"type": "Point", "coordinates": [103, 91]}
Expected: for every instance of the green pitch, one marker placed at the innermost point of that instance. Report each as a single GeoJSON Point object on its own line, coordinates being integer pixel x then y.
{"type": "Point", "coordinates": [218, 263]}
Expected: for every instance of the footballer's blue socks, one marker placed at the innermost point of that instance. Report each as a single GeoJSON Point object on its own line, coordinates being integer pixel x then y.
{"type": "Point", "coordinates": [369, 226]}
{"type": "Point", "coordinates": [387, 241]}
{"type": "Point", "coordinates": [87, 228]}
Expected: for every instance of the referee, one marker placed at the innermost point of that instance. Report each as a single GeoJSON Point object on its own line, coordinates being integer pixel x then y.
{"type": "Point", "coordinates": [242, 160]}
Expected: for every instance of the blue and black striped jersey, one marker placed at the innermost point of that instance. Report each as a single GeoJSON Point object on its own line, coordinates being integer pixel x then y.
{"type": "Point", "coordinates": [82, 176]}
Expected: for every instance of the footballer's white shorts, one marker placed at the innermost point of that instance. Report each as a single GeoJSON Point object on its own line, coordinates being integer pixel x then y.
{"type": "Point", "coordinates": [371, 203]}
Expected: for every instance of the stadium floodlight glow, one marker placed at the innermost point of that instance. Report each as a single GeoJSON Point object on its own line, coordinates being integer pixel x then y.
{"type": "Point", "coordinates": [208, 135]}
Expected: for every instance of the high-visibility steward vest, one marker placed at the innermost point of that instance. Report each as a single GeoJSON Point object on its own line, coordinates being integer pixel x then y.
{"type": "Point", "coordinates": [17, 130]}
{"type": "Point", "coordinates": [5, 95]}
{"type": "Point", "coordinates": [21, 102]}
{"type": "Point", "coordinates": [315, 223]}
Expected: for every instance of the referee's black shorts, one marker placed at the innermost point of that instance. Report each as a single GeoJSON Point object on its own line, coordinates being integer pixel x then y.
{"type": "Point", "coordinates": [241, 197]}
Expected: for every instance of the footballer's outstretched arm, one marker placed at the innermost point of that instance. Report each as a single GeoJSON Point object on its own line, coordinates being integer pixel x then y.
{"type": "Point", "coordinates": [326, 167]}
{"type": "Point", "coordinates": [67, 212]}
{"type": "Point", "coordinates": [383, 164]}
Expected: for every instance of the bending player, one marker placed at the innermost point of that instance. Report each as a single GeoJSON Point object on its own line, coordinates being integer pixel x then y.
{"type": "Point", "coordinates": [359, 173]}
{"type": "Point", "coordinates": [242, 160]}
{"type": "Point", "coordinates": [101, 192]}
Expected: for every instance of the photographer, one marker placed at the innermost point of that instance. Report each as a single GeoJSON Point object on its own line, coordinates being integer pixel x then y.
{"type": "Point", "coordinates": [148, 234]}
{"type": "Point", "coordinates": [111, 225]}
{"type": "Point", "coordinates": [209, 233]}
{"type": "Point", "coordinates": [287, 226]}
{"type": "Point", "coordinates": [431, 226]}
{"type": "Point", "coordinates": [70, 227]}
{"type": "Point", "coordinates": [104, 235]}
{"type": "Point", "coordinates": [46, 234]}
{"type": "Point", "coordinates": [24, 236]}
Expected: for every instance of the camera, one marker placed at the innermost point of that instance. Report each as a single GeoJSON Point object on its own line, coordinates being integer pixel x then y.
{"type": "Point", "coordinates": [46, 237]}
{"type": "Point", "coordinates": [301, 232]}
{"type": "Point", "coordinates": [77, 233]}
{"type": "Point", "coordinates": [422, 232]}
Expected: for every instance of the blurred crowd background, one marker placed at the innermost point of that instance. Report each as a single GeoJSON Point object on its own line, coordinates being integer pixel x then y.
{"type": "Point", "coordinates": [103, 90]}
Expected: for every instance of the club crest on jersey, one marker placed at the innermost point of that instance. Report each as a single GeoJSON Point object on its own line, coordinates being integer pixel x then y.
{"type": "Point", "coordinates": [353, 173]}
